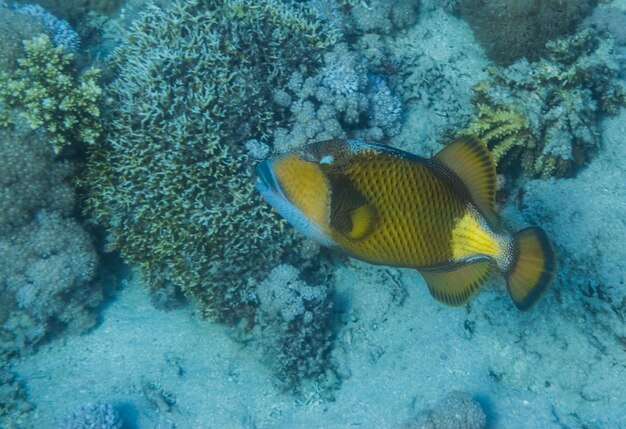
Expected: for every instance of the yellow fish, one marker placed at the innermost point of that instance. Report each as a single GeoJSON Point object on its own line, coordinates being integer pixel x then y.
{"type": "Point", "coordinates": [386, 206]}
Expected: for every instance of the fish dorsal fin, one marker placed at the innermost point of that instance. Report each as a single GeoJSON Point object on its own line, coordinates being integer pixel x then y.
{"type": "Point", "coordinates": [470, 160]}
{"type": "Point", "coordinates": [351, 214]}
{"type": "Point", "coordinates": [455, 286]}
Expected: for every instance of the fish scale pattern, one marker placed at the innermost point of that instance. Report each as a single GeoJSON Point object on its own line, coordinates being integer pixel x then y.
{"type": "Point", "coordinates": [399, 190]}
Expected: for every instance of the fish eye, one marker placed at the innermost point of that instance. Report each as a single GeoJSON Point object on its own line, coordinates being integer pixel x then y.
{"type": "Point", "coordinates": [326, 161]}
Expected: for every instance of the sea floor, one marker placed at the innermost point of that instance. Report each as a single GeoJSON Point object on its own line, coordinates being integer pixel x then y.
{"type": "Point", "coordinates": [560, 365]}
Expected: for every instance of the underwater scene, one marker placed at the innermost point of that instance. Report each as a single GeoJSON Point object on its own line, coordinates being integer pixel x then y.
{"type": "Point", "coordinates": [313, 214]}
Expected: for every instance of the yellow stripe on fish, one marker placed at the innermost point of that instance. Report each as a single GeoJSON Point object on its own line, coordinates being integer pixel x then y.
{"type": "Point", "coordinates": [386, 206]}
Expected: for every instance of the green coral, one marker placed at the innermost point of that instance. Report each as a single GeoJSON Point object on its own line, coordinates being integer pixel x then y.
{"type": "Point", "coordinates": [172, 183]}
{"type": "Point", "coordinates": [505, 131]}
{"type": "Point", "coordinates": [47, 94]}
{"type": "Point", "coordinates": [545, 114]}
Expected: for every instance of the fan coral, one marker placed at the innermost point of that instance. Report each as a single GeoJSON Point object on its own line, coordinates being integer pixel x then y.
{"type": "Point", "coordinates": [172, 183]}
{"type": "Point", "coordinates": [546, 113]}
{"type": "Point", "coordinates": [511, 29]}
{"type": "Point", "coordinates": [50, 97]}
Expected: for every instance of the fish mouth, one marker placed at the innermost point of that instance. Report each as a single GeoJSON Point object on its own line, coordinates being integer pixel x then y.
{"type": "Point", "coordinates": [266, 180]}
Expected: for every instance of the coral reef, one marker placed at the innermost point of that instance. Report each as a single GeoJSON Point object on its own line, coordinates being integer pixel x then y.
{"type": "Point", "coordinates": [50, 97]}
{"type": "Point", "coordinates": [545, 114]}
{"type": "Point", "coordinates": [456, 411]}
{"type": "Point", "coordinates": [74, 10]}
{"type": "Point", "coordinates": [14, 405]}
{"type": "Point", "coordinates": [293, 326]}
{"type": "Point", "coordinates": [171, 183]}
{"type": "Point", "coordinates": [345, 97]}
{"type": "Point", "coordinates": [15, 27]}
{"type": "Point", "coordinates": [509, 29]}
{"type": "Point", "coordinates": [60, 32]}
{"type": "Point", "coordinates": [48, 264]}
{"type": "Point", "coordinates": [99, 415]}
{"type": "Point", "coordinates": [381, 16]}
{"type": "Point", "coordinates": [506, 132]}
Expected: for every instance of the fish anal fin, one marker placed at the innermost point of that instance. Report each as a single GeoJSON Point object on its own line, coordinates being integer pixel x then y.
{"type": "Point", "coordinates": [455, 286]}
{"type": "Point", "coordinates": [470, 160]}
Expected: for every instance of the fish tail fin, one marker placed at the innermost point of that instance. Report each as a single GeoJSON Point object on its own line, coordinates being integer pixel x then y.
{"type": "Point", "coordinates": [532, 269]}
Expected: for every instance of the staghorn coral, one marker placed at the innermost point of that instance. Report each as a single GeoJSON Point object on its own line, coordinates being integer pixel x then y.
{"type": "Point", "coordinates": [293, 326]}
{"type": "Point", "coordinates": [545, 114]}
{"type": "Point", "coordinates": [510, 29]}
{"type": "Point", "coordinates": [172, 183]}
{"type": "Point", "coordinates": [50, 97]}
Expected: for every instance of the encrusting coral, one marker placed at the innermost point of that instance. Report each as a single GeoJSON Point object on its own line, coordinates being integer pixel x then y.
{"type": "Point", "coordinates": [545, 114]}
{"type": "Point", "coordinates": [172, 183]}
{"type": "Point", "coordinates": [47, 93]}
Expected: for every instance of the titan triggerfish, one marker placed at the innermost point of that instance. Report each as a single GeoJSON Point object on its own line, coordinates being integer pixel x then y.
{"type": "Point", "coordinates": [386, 206]}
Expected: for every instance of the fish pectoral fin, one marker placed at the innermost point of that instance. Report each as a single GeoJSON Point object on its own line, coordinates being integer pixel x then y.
{"type": "Point", "coordinates": [363, 221]}
{"type": "Point", "coordinates": [455, 286]}
{"type": "Point", "coordinates": [351, 214]}
{"type": "Point", "coordinates": [470, 160]}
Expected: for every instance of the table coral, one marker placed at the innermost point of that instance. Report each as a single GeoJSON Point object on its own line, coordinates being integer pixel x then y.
{"type": "Point", "coordinates": [172, 183]}
{"type": "Point", "coordinates": [545, 114]}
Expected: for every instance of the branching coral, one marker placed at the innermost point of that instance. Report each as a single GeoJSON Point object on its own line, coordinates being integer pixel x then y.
{"type": "Point", "coordinates": [505, 131]}
{"type": "Point", "coordinates": [50, 97]}
{"type": "Point", "coordinates": [172, 184]}
{"type": "Point", "coordinates": [343, 97]}
{"type": "Point", "coordinates": [545, 113]}
{"type": "Point", "coordinates": [294, 326]}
